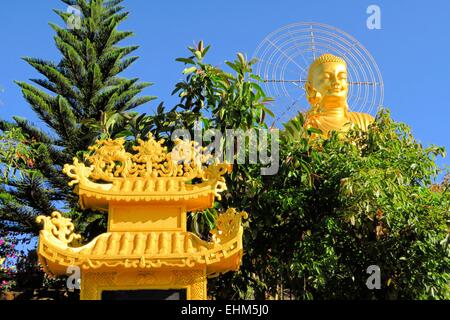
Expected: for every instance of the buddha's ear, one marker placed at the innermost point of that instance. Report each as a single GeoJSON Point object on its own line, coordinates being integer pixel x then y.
{"type": "Point", "coordinates": [312, 95]}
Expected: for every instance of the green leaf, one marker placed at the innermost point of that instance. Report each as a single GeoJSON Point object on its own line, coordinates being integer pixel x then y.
{"type": "Point", "coordinates": [186, 60]}
{"type": "Point", "coordinates": [189, 70]}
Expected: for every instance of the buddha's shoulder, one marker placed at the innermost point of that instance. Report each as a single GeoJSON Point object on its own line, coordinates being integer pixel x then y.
{"type": "Point", "coordinates": [363, 120]}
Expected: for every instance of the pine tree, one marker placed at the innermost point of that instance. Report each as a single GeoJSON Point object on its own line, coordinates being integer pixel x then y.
{"type": "Point", "coordinates": [80, 99]}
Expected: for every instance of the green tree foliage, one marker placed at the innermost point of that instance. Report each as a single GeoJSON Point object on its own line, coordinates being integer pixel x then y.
{"type": "Point", "coordinates": [79, 99]}
{"type": "Point", "coordinates": [342, 204]}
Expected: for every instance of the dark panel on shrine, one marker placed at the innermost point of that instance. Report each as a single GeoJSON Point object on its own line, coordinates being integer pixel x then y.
{"type": "Point", "coordinates": [179, 294]}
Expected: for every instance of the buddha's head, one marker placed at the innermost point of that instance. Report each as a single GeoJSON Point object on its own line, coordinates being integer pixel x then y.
{"type": "Point", "coordinates": [327, 78]}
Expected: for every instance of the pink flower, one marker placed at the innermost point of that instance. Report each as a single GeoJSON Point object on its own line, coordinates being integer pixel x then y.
{"type": "Point", "coordinates": [2, 242]}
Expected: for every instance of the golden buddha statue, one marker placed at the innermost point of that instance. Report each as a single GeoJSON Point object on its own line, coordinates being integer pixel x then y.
{"type": "Point", "coordinates": [326, 90]}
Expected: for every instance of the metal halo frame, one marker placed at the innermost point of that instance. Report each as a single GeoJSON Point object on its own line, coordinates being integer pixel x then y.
{"type": "Point", "coordinates": [284, 57]}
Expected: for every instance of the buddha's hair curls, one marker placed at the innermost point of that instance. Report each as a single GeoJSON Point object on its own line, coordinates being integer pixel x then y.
{"type": "Point", "coordinates": [327, 57]}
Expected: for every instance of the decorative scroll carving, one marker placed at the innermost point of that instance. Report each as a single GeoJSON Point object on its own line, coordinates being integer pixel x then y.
{"type": "Point", "coordinates": [145, 174]}
{"type": "Point", "coordinates": [110, 159]}
{"type": "Point", "coordinates": [227, 224]}
{"type": "Point", "coordinates": [78, 172]}
{"type": "Point", "coordinates": [62, 228]}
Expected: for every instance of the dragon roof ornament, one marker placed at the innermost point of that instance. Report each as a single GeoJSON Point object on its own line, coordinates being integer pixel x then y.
{"type": "Point", "coordinates": [149, 169]}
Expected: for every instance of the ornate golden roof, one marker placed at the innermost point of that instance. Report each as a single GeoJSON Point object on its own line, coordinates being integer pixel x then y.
{"type": "Point", "coordinates": [142, 249]}
{"type": "Point", "coordinates": [149, 174]}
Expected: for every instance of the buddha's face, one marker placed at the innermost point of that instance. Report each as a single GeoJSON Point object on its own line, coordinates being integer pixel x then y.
{"type": "Point", "coordinates": [330, 79]}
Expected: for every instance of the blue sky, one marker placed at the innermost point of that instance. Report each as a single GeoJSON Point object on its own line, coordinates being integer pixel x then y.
{"type": "Point", "coordinates": [412, 49]}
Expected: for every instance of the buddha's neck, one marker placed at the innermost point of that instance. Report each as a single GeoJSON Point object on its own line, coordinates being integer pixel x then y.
{"type": "Point", "coordinates": [334, 107]}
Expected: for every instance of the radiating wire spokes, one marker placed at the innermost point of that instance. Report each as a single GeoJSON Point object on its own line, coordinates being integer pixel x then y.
{"type": "Point", "coordinates": [285, 55]}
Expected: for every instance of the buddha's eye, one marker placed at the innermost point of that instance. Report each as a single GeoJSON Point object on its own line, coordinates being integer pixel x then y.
{"type": "Point", "coordinates": [343, 76]}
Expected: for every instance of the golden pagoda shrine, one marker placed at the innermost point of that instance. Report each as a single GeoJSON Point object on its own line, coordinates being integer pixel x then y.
{"type": "Point", "coordinates": [147, 251]}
